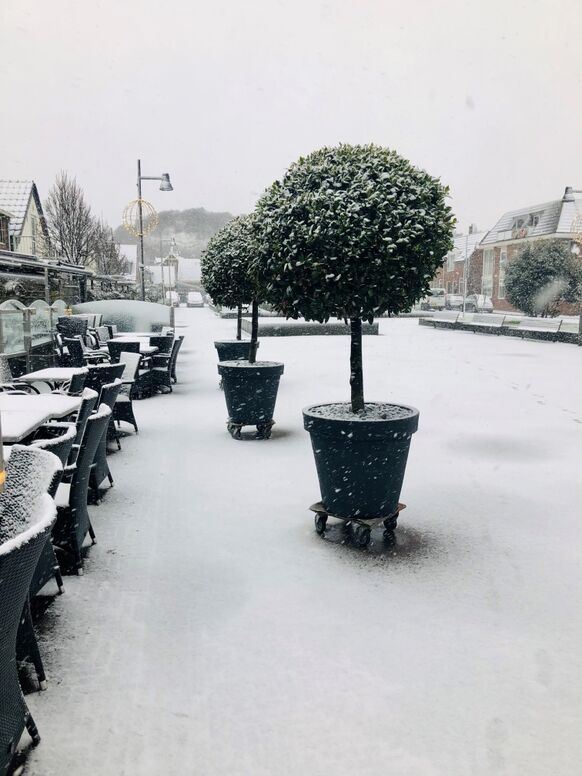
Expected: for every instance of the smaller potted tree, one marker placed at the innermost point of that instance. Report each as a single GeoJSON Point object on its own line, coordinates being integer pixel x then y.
{"type": "Point", "coordinates": [353, 232]}
{"type": "Point", "coordinates": [225, 277]}
{"type": "Point", "coordinates": [250, 386]}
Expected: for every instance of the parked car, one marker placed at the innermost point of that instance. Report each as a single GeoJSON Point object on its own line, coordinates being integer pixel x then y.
{"type": "Point", "coordinates": [173, 298]}
{"type": "Point", "coordinates": [454, 301]}
{"type": "Point", "coordinates": [477, 303]}
{"type": "Point", "coordinates": [194, 299]}
{"type": "Point", "coordinates": [434, 300]}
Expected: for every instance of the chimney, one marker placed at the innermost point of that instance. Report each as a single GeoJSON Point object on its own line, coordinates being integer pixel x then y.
{"type": "Point", "coordinates": [568, 194]}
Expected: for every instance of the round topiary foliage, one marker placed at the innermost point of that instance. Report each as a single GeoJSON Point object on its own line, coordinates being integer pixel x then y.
{"type": "Point", "coordinates": [226, 264]}
{"type": "Point", "coordinates": [351, 232]}
{"type": "Point", "coordinates": [544, 274]}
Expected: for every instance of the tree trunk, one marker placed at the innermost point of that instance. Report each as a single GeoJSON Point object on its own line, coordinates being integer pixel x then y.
{"type": "Point", "coordinates": [254, 333]}
{"type": "Point", "coordinates": [239, 322]}
{"type": "Point", "coordinates": [356, 373]}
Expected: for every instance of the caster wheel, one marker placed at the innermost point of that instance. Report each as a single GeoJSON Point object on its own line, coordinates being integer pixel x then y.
{"type": "Point", "coordinates": [362, 536]}
{"type": "Point", "coordinates": [264, 430]}
{"type": "Point", "coordinates": [391, 523]}
{"type": "Point", "coordinates": [320, 523]}
{"type": "Point", "coordinates": [234, 429]}
{"type": "Point", "coordinates": [389, 537]}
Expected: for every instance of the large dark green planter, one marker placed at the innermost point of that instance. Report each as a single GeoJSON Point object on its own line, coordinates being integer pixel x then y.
{"type": "Point", "coordinates": [233, 350]}
{"type": "Point", "coordinates": [360, 463]}
{"type": "Point", "coordinates": [250, 391]}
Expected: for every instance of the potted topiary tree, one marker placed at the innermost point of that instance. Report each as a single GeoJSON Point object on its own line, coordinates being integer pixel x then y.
{"type": "Point", "coordinates": [228, 274]}
{"type": "Point", "coordinates": [225, 276]}
{"type": "Point", "coordinates": [353, 232]}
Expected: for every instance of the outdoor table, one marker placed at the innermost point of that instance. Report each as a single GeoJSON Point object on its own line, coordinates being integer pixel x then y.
{"type": "Point", "coordinates": [57, 405]}
{"type": "Point", "coordinates": [144, 347]}
{"type": "Point", "coordinates": [18, 425]}
{"type": "Point", "coordinates": [138, 334]}
{"type": "Point", "coordinates": [53, 375]}
{"type": "Point", "coordinates": [20, 415]}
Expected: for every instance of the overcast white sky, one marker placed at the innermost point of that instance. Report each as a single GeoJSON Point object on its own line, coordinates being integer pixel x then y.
{"type": "Point", "coordinates": [225, 94]}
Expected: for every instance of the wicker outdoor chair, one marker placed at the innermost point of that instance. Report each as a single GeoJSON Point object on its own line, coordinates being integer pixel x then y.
{"type": "Point", "coordinates": [10, 383]}
{"type": "Point", "coordinates": [73, 522]}
{"type": "Point", "coordinates": [69, 326]}
{"type": "Point", "coordinates": [100, 469]}
{"type": "Point", "coordinates": [164, 368]}
{"type": "Point", "coordinates": [132, 380]}
{"type": "Point", "coordinates": [102, 374]}
{"type": "Point", "coordinates": [174, 357]}
{"type": "Point", "coordinates": [89, 399]}
{"type": "Point", "coordinates": [116, 348]}
{"type": "Point", "coordinates": [58, 439]}
{"type": "Point", "coordinates": [27, 514]}
{"type": "Point", "coordinates": [163, 344]}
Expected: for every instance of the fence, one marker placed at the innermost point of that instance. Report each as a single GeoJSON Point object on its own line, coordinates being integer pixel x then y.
{"type": "Point", "coordinates": [27, 331]}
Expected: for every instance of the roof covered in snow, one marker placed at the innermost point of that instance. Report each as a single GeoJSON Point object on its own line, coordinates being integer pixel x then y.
{"type": "Point", "coordinates": [465, 244]}
{"type": "Point", "coordinates": [15, 197]}
{"type": "Point", "coordinates": [548, 218]}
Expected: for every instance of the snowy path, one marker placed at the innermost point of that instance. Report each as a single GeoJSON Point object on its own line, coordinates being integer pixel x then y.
{"type": "Point", "coordinates": [215, 634]}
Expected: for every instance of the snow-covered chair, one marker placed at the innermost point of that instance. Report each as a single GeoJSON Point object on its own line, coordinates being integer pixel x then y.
{"type": "Point", "coordinates": [133, 381]}
{"type": "Point", "coordinates": [58, 439]}
{"type": "Point", "coordinates": [164, 367]}
{"type": "Point", "coordinates": [73, 522]}
{"type": "Point", "coordinates": [100, 469]}
{"type": "Point", "coordinates": [27, 514]}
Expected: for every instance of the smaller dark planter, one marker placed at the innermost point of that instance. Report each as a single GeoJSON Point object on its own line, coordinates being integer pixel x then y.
{"type": "Point", "coordinates": [250, 391]}
{"type": "Point", "coordinates": [360, 462]}
{"type": "Point", "coordinates": [233, 350]}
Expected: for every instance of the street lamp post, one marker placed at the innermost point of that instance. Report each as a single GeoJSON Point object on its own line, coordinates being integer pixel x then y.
{"type": "Point", "coordinates": [165, 185]}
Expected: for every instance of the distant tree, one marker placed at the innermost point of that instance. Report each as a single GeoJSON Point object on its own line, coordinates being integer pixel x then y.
{"type": "Point", "coordinates": [105, 252]}
{"type": "Point", "coordinates": [544, 274]}
{"type": "Point", "coordinates": [70, 223]}
{"type": "Point", "coordinates": [226, 270]}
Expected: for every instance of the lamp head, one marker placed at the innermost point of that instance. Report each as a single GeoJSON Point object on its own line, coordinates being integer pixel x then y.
{"type": "Point", "coordinates": [165, 185]}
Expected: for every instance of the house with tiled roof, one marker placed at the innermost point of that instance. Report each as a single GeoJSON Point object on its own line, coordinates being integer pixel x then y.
{"type": "Point", "coordinates": [451, 276]}
{"type": "Point", "coordinates": [559, 219]}
{"type": "Point", "coordinates": [27, 225]}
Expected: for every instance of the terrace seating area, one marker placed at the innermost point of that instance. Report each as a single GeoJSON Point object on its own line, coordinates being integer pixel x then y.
{"type": "Point", "coordinates": [60, 426]}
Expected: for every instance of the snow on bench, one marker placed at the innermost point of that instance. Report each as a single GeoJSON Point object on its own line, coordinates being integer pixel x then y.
{"type": "Point", "coordinates": [549, 325]}
{"type": "Point", "coordinates": [540, 324]}
{"type": "Point", "coordinates": [450, 316]}
{"type": "Point", "coordinates": [488, 319]}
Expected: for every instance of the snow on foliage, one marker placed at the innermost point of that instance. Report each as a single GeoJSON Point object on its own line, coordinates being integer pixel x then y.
{"type": "Point", "coordinates": [351, 232]}
{"type": "Point", "coordinates": [226, 264]}
{"type": "Point", "coordinates": [543, 275]}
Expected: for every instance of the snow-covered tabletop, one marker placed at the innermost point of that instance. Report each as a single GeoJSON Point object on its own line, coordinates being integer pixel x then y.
{"type": "Point", "coordinates": [139, 335]}
{"type": "Point", "coordinates": [57, 374]}
{"type": "Point", "coordinates": [18, 425]}
{"type": "Point", "coordinates": [56, 405]}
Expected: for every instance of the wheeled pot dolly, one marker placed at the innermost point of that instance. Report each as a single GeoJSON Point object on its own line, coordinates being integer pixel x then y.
{"type": "Point", "coordinates": [359, 527]}
{"type": "Point", "coordinates": [263, 429]}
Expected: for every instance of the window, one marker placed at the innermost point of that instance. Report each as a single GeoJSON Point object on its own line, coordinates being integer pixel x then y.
{"type": "Point", "coordinates": [533, 219]}
{"type": "Point", "coordinates": [4, 240]}
{"type": "Point", "coordinates": [501, 280]}
{"type": "Point", "coordinates": [487, 279]}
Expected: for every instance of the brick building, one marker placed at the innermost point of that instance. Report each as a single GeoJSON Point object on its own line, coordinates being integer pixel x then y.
{"type": "Point", "coordinates": [458, 263]}
{"type": "Point", "coordinates": [556, 220]}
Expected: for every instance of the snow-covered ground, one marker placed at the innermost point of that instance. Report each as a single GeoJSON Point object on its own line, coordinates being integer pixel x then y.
{"type": "Point", "coordinates": [215, 633]}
